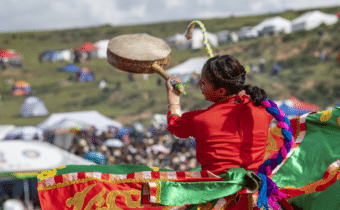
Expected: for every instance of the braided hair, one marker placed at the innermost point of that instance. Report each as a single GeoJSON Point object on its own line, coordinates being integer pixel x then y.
{"type": "Point", "coordinates": [226, 72]}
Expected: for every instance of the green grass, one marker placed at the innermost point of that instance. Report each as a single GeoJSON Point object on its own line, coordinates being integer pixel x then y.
{"type": "Point", "coordinates": [141, 96]}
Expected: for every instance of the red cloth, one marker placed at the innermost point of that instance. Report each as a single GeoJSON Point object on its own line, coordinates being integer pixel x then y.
{"type": "Point", "coordinates": [303, 105]}
{"type": "Point", "coordinates": [230, 133]}
{"type": "Point", "coordinates": [7, 54]}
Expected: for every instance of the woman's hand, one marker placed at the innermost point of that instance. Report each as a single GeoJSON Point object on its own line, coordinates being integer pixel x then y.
{"type": "Point", "coordinates": [173, 94]}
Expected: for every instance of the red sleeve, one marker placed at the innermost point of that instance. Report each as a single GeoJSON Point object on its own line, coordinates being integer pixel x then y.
{"type": "Point", "coordinates": [182, 126]}
{"type": "Point", "coordinates": [254, 125]}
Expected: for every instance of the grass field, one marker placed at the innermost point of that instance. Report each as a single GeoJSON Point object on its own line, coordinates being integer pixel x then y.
{"type": "Point", "coordinates": [304, 76]}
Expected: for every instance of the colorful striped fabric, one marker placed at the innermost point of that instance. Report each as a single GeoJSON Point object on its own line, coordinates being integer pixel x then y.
{"type": "Point", "coordinates": [310, 170]}
{"type": "Point", "coordinates": [114, 186]}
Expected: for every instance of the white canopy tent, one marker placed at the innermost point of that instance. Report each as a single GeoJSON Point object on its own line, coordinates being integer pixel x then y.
{"type": "Point", "coordinates": [62, 136]}
{"type": "Point", "coordinates": [21, 156]}
{"type": "Point", "coordinates": [185, 70]}
{"type": "Point", "coordinates": [226, 36]}
{"type": "Point", "coordinates": [274, 25]}
{"type": "Point", "coordinates": [66, 123]}
{"type": "Point", "coordinates": [179, 41]}
{"type": "Point", "coordinates": [102, 45]}
{"type": "Point", "coordinates": [176, 38]}
{"type": "Point", "coordinates": [27, 133]}
{"type": "Point", "coordinates": [247, 32]}
{"type": "Point", "coordinates": [4, 129]}
{"type": "Point", "coordinates": [65, 55]}
{"type": "Point", "coordinates": [92, 118]}
{"type": "Point", "coordinates": [313, 19]}
{"type": "Point", "coordinates": [197, 39]}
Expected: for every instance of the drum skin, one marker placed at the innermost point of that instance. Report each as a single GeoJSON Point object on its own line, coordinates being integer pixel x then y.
{"type": "Point", "coordinates": [137, 53]}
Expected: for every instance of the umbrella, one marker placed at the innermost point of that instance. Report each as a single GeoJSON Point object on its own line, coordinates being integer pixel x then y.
{"type": "Point", "coordinates": [114, 143]}
{"type": "Point", "coordinates": [95, 157]}
{"type": "Point", "coordinates": [138, 127]}
{"type": "Point", "coordinates": [13, 204]}
{"type": "Point", "coordinates": [123, 131]}
{"type": "Point", "coordinates": [160, 148]}
{"type": "Point", "coordinates": [86, 47]}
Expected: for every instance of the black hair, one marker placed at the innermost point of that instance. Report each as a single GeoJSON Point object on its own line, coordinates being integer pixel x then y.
{"type": "Point", "coordinates": [226, 72]}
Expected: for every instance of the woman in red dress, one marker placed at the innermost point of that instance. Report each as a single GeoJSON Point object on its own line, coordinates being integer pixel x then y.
{"type": "Point", "coordinates": [233, 131]}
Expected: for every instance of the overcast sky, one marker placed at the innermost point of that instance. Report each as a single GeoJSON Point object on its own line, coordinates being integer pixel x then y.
{"type": "Point", "coordinates": [33, 15]}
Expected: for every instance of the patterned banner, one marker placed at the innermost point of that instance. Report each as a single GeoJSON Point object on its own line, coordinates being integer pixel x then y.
{"type": "Point", "coordinates": [311, 167]}
{"type": "Point", "coordinates": [103, 187]}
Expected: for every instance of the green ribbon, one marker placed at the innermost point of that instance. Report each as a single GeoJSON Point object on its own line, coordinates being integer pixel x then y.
{"type": "Point", "coordinates": [181, 193]}
{"type": "Point", "coordinates": [177, 86]}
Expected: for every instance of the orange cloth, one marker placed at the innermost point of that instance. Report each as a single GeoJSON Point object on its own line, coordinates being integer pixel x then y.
{"type": "Point", "coordinates": [230, 133]}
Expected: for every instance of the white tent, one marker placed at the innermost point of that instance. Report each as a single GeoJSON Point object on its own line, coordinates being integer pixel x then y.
{"type": "Point", "coordinates": [176, 38]}
{"type": "Point", "coordinates": [62, 136]}
{"type": "Point", "coordinates": [102, 45]}
{"type": "Point", "coordinates": [226, 36]}
{"type": "Point", "coordinates": [197, 39]}
{"type": "Point", "coordinates": [27, 133]}
{"type": "Point", "coordinates": [179, 41]}
{"type": "Point", "coordinates": [21, 156]}
{"type": "Point", "coordinates": [313, 19]}
{"type": "Point", "coordinates": [33, 107]}
{"type": "Point", "coordinates": [247, 32]}
{"type": "Point", "coordinates": [67, 123]}
{"type": "Point", "coordinates": [4, 130]}
{"type": "Point", "coordinates": [66, 54]}
{"type": "Point", "coordinates": [185, 70]}
{"type": "Point", "coordinates": [274, 25]}
{"type": "Point", "coordinates": [93, 118]}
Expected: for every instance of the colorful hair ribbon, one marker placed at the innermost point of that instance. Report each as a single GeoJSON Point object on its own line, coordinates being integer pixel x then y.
{"type": "Point", "coordinates": [188, 35]}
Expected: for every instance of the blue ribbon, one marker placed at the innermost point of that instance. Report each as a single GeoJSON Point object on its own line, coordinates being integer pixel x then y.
{"type": "Point", "coordinates": [262, 201]}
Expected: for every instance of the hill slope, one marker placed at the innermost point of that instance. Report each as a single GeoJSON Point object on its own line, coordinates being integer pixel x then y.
{"type": "Point", "coordinates": [303, 76]}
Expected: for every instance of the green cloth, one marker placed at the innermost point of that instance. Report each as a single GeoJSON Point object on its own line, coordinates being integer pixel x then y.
{"type": "Point", "coordinates": [319, 148]}
{"type": "Point", "coordinates": [329, 199]}
{"type": "Point", "coordinates": [180, 193]}
{"type": "Point", "coordinates": [19, 175]}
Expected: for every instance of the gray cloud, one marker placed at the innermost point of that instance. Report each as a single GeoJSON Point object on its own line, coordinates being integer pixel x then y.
{"type": "Point", "coordinates": [16, 15]}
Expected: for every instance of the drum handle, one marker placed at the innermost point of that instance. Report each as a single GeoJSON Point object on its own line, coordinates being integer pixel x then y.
{"type": "Point", "coordinates": [160, 71]}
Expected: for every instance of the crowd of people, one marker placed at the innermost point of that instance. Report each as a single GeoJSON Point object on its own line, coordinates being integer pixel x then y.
{"type": "Point", "coordinates": [155, 147]}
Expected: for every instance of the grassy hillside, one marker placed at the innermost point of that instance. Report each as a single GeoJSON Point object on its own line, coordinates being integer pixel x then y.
{"type": "Point", "coordinates": [303, 76]}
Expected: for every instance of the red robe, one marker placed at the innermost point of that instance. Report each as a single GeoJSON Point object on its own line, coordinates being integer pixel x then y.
{"type": "Point", "coordinates": [230, 133]}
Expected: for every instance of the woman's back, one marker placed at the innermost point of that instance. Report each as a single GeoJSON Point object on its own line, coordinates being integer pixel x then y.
{"type": "Point", "coordinates": [230, 133]}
